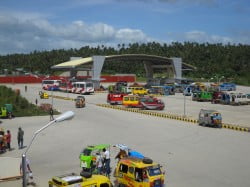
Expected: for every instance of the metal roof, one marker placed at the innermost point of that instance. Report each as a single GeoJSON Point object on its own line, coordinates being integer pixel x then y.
{"type": "Point", "coordinates": [87, 62]}
{"type": "Point", "coordinates": [73, 63]}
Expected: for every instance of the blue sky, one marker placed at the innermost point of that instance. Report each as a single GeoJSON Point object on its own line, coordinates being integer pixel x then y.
{"type": "Point", "coordinates": [29, 25]}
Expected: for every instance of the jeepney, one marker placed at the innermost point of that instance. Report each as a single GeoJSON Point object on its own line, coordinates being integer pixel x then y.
{"type": "Point", "coordinates": [210, 118]}
{"type": "Point", "coordinates": [137, 172]}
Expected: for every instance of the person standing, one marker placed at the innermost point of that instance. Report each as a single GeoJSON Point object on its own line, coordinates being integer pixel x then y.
{"type": "Point", "coordinates": [106, 157]}
{"type": "Point", "coordinates": [99, 163]}
{"type": "Point", "coordinates": [8, 139]}
{"type": "Point", "coordinates": [20, 135]}
{"type": "Point", "coordinates": [51, 112]}
{"type": "Point", "coordinates": [122, 153]}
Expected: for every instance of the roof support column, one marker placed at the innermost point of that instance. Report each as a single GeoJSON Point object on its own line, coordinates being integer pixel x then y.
{"type": "Point", "coordinates": [73, 72]}
{"type": "Point", "coordinates": [177, 62]}
{"type": "Point", "coordinates": [98, 62]}
{"type": "Point", "coordinates": [149, 70]}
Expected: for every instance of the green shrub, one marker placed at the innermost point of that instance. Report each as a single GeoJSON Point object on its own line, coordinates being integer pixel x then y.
{"type": "Point", "coordinates": [21, 107]}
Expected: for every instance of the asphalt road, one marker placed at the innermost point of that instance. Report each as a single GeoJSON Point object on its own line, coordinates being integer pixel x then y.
{"type": "Point", "coordinates": [192, 156]}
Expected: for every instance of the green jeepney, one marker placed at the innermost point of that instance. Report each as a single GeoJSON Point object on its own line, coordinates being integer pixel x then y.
{"type": "Point", "coordinates": [3, 112]}
{"type": "Point", "coordinates": [6, 111]}
{"type": "Point", "coordinates": [202, 96]}
{"type": "Point", "coordinates": [88, 156]}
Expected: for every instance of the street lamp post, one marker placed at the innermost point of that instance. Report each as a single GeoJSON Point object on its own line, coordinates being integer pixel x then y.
{"type": "Point", "coordinates": [65, 116]}
{"type": "Point", "coordinates": [52, 96]}
{"type": "Point", "coordinates": [184, 105]}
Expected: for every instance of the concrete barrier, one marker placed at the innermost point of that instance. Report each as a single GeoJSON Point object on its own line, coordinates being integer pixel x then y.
{"type": "Point", "coordinates": [163, 115]}
{"type": "Point", "coordinates": [172, 116]}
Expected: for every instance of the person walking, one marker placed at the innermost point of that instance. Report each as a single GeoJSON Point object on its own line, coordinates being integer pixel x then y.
{"type": "Point", "coordinates": [8, 139]}
{"type": "Point", "coordinates": [51, 112]}
{"type": "Point", "coordinates": [20, 135]}
{"type": "Point", "coordinates": [106, 157]}
{"type": "Point", "coordinates": [99, 163]}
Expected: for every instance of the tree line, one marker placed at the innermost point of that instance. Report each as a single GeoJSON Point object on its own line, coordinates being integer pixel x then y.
{"type": "Point", "coordinates": [230, 61]}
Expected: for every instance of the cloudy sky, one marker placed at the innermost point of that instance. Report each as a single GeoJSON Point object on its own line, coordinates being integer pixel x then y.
{"type": "Point", "coordinates": [28, 25]}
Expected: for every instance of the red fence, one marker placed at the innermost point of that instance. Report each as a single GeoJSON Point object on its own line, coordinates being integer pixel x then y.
{"type": "Point", "coordinates": [38, 79]}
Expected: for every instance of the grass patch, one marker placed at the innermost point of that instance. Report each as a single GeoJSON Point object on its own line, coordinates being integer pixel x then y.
{"type": "Point", "coordinates": [21, 106]}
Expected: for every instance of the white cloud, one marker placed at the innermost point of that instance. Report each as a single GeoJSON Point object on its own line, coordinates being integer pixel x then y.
{"type": "Point", "coordinates": [23, 34]}
{"type": "Point", "coordinates": [131, 35]}
{"type": "Point", "coordinates": [200, 37]}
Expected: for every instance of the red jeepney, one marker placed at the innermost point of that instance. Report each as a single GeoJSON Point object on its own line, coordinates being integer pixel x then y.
{"type": "Point", "coordinates": [115, 98]}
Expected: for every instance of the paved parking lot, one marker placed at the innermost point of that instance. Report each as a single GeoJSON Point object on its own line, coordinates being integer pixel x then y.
{"type": "Point", "coordinates": [192, 155]}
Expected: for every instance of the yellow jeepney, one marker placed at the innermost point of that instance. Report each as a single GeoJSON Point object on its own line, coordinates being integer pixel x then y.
{"type": "Point", "coordinates": [131, 100]}
{"type": "Point", "coordinates": [139, 91]}
{"type": "Point", "coordinates": [138, 172]}
{"type": "Point", "coordinates": [72, 179]}
{"type": "Point", "coordinates": [43, 95]}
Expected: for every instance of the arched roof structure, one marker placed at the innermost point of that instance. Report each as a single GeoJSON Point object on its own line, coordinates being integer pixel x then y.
{"type": "Point", "coordinates": [88, 61]}
{"type": "Point", "coordinates": [151, 63]}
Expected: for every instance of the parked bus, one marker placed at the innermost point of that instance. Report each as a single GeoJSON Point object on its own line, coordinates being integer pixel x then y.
{"type": "Point", "coordinates": [51, 85]}
{"type": "Point", "coordinates": [65, 86]}
{"type": "Point", "coordinates": [82, 87]}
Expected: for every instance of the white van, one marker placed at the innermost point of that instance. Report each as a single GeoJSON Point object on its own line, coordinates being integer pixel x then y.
{"type": "Point", "coordinates": [82, 87]}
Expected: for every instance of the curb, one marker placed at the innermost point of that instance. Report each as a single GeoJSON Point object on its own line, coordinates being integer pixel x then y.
{"type": "Point", "coordinates": [61, 97]}
{"type": "Point", "coordinates": [172, 116]}
{"type": "Point", "coordinates": [235, 127]}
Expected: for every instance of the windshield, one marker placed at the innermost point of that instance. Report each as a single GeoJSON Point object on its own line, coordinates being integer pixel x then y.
{"type": "Point", "coordinates": [154, 170]}
{"type": "Point", "coordinates": [86, 152]}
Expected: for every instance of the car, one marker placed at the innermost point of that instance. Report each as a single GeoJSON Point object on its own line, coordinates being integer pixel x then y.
{"type": "Point", "coordinates": [88, 156]}
{"type": "Point", "coordinates": [151, 103]}
{"type": "Point", "coordinates": [137, 172]}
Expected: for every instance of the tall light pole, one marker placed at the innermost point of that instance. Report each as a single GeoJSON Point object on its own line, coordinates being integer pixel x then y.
{"type": "Point", "coordinates": [65, 116]}
{"type": "Point", "coordinates": [184, 105]}
{"type": "Point", "coordinates": [52, 96]}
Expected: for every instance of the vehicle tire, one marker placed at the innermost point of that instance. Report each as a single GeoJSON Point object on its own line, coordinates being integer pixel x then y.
{"type": "Point", "coordinates": [147, 160]}
{"type": "Point", "coordinates": [121, 185]}
{"type": "Point", "coordinates": [86, 174]}
{"type": "Point", "coordinates": [219, 126]}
